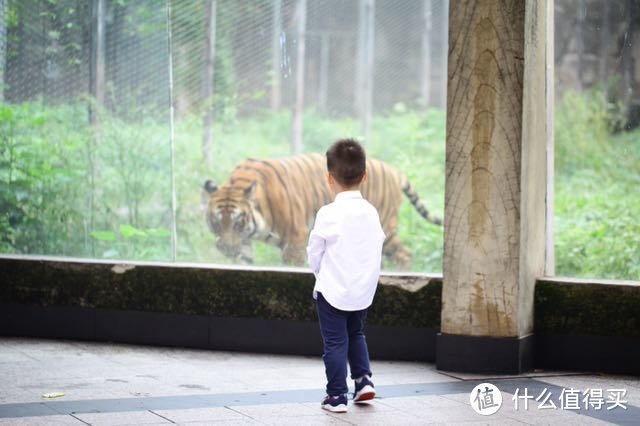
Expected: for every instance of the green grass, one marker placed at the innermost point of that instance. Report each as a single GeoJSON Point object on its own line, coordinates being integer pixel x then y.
{"type": "Point", "coordinates": [268, 137]}
{"type": "Point", "coordinates": [597, 191]}
{"type": "Point", "coordinates": [48, 158]}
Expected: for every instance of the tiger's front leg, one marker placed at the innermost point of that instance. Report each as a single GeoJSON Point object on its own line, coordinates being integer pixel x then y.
{"type": "Point", "coordinates": [294, 252]}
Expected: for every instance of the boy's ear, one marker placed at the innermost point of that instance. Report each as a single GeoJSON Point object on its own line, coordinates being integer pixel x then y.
{"type": "Point", "coordinates": [365, 176]}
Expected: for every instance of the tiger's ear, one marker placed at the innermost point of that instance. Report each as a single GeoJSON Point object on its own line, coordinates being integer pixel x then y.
{"type": "Point", "coordinates": [210, 187]}
{"type": "Point", "coordinates": [250, 191]}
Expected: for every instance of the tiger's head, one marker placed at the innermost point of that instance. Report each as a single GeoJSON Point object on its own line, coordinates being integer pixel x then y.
{"type": "Point", "coordinates": [230, 215]}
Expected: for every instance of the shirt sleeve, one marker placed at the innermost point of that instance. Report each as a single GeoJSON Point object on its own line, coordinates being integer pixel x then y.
{"type": "Point", "coordinates": [317, 244]}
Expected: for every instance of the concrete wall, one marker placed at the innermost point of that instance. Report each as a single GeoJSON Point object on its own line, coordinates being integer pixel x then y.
{"type": "Point", "coordinates": [579, 325]}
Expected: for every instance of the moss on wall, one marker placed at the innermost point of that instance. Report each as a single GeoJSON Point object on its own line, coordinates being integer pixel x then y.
{"type": "Point", "coordinates": [569, 308]}
{"type": "Point", "coordinates": [581, 308]}
{"type": "Point", "coordinates": [269, 294]}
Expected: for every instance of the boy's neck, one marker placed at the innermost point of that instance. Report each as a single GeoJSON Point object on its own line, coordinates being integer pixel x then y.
{"type": "Point", "coordinates": [351, 188]}
{"type": "Point", "coordinates": [342, 189]}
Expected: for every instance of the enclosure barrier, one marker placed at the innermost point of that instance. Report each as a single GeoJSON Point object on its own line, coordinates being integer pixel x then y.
{"type": "Point", "coordinates": [579, 325]}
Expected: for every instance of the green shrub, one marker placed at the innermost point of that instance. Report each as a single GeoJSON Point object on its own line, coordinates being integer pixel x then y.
{"type": "Point", "coordinates": [597, 177]}
{"type": "Point", "coordinates": [42, 176]}
{"type": "Point", "coordinates": [64, 187]}
{"type": "Point", "coordinates": [411, 141]}
{"type": "Point", "coordinates": [69, 189]}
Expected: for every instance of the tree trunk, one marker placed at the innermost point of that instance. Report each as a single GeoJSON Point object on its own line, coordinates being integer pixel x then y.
{"type": "Point", "coordinates": [605, 41]}
{"type": "Point", "coordinates": [3, 45]}
{"type": "Point", "coordinates": [627, 58]}
{"type": "Point", "coordinates": [426, 75]}
{"type": "Point", "coordinates": [364, 68]}
{"type": "Point", "coordinates": [97, 58]}
{"type": "Point", "coordinates": [276, 56]}
{"type": "Point", "coordinates": [208, 82]}
{"type": "Point", "coordinates": [296, 128]}
{"type": "Point", "coordinates": [582, 11]}
{"type": "Point", "coordinates": [323, 85]}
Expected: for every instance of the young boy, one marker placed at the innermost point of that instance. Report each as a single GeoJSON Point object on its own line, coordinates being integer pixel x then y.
{"type": "Point", "coordinates": [345, 253]}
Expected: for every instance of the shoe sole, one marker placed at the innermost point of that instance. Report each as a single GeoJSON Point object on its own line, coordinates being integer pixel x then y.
{"type": "Point", "coordinates": [335, 409]}
{"type": "Point", "coordinates": [367, 393]}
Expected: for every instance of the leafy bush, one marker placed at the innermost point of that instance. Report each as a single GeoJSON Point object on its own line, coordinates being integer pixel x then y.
{"type": "Point", "coordinates": [597, 175]}
{"type": "Point", "coordinates": [65, 187]}
{"type": "Point", "coordinates": [411, 141]}
{"type": "Point", "coordinates": [42, 175]}
{"type": "Point", "coordinates": [69, 189]}
{"type": "Point", "coordinates": [584, 123]}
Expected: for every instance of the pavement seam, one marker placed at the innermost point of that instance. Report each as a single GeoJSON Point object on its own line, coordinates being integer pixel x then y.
{"type": "Point", "coordinates": [79, 419]}
{"type": "Point", "coordinates": [160, 415]}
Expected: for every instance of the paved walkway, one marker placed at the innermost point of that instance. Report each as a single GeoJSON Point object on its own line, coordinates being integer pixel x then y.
{"type": "Point", "coordinates": [73, 383]}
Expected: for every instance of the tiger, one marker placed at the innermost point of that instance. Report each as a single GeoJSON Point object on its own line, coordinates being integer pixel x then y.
{"type": "Point", "coordinates": [276, 201]}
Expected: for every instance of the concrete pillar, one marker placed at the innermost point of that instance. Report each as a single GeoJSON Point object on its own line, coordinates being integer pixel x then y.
{"type": "Point", "coordinates": [495, 184]}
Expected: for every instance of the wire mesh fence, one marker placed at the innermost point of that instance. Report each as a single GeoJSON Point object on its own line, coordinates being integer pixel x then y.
{"type": "Point", "coordinates": [244, 78]}
{"type": "Point", "coordinates": [92, 157]}
{"type": "Point", "coordinates": [116, 51]}
{"type": "Point", "coordinates": [256, 53]}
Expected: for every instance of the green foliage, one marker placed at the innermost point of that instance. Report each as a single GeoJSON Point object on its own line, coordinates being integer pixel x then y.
{"type": "Point", "coordinates": [64, 44]}
{"type": "Point", "coordinates": [131, 186]}
{"type": "Point", "coordinates": [414, 142]}
{"type": "Point", "coordinates": [133, 243]}
{"type": "Point", "coordinates": [411, 141]}
{"type": "Point", "coordinates": [584, 123]}
{"type": "Point", "coordinates": [67, 188]}
{"type": "Point", "coordinates": [41, 180]}
{"type": "Point", "coordinates": [597, 175]}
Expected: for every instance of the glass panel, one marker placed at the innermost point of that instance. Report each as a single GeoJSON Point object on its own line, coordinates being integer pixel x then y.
{"type": "Point", "coordinates": [84, 129]}
{"type": "Point", "coordinates": [597, 113]}
{"type": "Point", "coordinates": [375, 71]}
{"type": "Point", "coordinates": [87, 136]}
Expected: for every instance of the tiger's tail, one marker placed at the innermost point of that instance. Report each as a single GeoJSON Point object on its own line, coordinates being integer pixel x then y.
{"type": "Point", "coordinates": [411, 193]}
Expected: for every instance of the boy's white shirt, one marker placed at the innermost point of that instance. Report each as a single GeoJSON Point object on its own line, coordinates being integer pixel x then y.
{"type": "Point", "coordinates": [345, 251]}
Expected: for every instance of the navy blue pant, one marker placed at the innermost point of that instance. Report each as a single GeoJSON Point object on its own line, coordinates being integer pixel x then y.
{"type": "Point", "coordinates": [344, 342]}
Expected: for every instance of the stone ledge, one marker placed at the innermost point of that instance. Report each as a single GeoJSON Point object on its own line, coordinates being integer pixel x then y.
{"type": "Point", "coordinates": [566, 306]}
{"type": "Point", "coordinates": [277, 294]}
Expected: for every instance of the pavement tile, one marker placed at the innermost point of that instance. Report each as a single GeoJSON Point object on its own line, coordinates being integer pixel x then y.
{"type": "Point", "coordinates": [492, 421]}
{"type": "Point", "coordinates": [325, 419]}
{"type": "Point", "coordinates": [223, 423]}
{"type": "Point", "coordinates": [41, 421]}
{"type": "Point", "coordinates": [381, 418]}
{"type": "Point", "coordinates": [11, 395]}
{"type": "Point", "coordinates": [375, 406]}
{"type": "Point", "coordinates": [568, 422]}
{"type": "Point", "coordinates": [118, 377]}
{"type": "Point", "coordinates": [447, 414]}
{"type": "Point", "coordinates": [421, 402]}
{"type": "Point", "coordinates": [123, 418]}
{"type": "Point", "coordinates": [277, 411]}
{"type": "Point", "coordinates": [217, 414]}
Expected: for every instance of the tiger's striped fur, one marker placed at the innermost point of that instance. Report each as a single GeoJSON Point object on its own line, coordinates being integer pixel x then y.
{"type": "Point", "coordinates": [276, 201]}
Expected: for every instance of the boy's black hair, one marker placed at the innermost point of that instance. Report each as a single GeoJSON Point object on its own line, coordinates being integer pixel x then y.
{"type": "Point", "coordinates": [347, 162]}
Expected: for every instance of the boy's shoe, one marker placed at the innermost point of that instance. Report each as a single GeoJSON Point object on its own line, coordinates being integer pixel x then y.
{"type": "Point", "coordinates": [335, 404]}
{"type": "Point", "coordinates": [364, 390]}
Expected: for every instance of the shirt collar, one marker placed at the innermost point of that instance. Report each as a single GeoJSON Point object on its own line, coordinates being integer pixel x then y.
{"type": "Point", "coordinates": [348, 195]}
